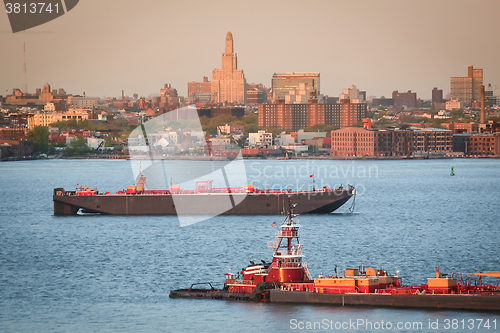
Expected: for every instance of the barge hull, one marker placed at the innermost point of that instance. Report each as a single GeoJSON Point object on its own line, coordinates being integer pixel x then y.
{"type": "Point", "coordinates": [449, 302]}
{"type": "Point", "coordinates": [458, 301]}
{"type": "Point", "coordinates": [199, 204]}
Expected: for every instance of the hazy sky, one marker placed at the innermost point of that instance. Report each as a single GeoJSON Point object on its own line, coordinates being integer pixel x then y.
{"type": "Point", "coordinates": [102, 47]}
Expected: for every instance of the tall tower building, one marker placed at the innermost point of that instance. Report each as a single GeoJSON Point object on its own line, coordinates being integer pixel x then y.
{"type": "Point", "coordinates": [467, 89]}
{"type": "Point", "coordinates": [228, 83]}
{"type": "Point", "coordinates": [477, 82]}
{"type": "Point", "coordinates": [437, 96]}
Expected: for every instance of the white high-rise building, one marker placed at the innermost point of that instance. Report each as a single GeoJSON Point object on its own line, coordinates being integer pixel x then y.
{"type": "Point", "coordinates": [352, 93]}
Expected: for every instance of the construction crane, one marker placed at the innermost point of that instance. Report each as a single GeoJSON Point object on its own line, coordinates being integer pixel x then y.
{"type": "Point", "coordinates": [101, 146]}
{"type": "Point", "coordinates": [484, 273]}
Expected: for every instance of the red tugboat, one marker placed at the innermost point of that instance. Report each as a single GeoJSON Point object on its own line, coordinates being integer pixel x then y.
{"type": "Point", "coordinates": [286, 279]}
{"type": "Point", "coordinates": [256, 280]}
{"type": "Point", "coordinates": [287, 265]}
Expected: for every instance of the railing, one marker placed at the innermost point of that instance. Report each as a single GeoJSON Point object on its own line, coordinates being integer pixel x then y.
{"type": "Point", "coordinates": [289, 265]}
{"type": "Point", "coordinates": [308, 274]}
{"type": "Point", "coordinates": [288, 233]}
{"type": "Point", "coordinates": [337, 191]}
{"type": "Point", "coordinates": [293, 251]}
{"type": "Point", "coordinates": [273, 244]}
{"type": "Point", "coordinates": [244, 282]}
{"type": "Point", "coordinates": [260, 271]}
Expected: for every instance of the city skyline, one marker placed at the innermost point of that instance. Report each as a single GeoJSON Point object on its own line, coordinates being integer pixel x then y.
{"type": "Point", "coordinates": [378, 46]}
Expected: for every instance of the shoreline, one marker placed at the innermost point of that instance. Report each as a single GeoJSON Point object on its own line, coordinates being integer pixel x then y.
{"type": "Point", "coordinates": [208, 158]}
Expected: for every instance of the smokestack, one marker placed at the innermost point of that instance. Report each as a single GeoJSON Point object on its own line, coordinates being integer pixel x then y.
{"type": "Point", "coordinates": [482, 104]}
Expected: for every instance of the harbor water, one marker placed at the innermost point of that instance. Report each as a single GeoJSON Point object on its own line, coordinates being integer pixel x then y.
{"type": "Point", "coordinates": [114, 273]}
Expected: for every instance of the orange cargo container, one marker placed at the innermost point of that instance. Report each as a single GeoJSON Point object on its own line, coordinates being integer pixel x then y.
{"type": "Point", "coordinates": [352, 272]}
{"type": "Point", "coordinates": [335, 285]}
{"type": "Point", "coordinates": [386, 281]}
{"type": "Point", "coordinates": [367, 284]}
{"type": "Point", "coordinates": [442, 285]}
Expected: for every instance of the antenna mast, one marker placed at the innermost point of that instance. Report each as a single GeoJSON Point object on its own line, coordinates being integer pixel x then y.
{"type": "Point", "coordinates": [25, 85]}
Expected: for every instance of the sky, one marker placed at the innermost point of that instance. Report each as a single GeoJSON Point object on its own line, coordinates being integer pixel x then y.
{"type": "Point", "coordinates": [104, 47]}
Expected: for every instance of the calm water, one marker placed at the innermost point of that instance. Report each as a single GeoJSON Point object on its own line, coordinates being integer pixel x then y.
{"type": "Point", "coordinates": [114, 273]}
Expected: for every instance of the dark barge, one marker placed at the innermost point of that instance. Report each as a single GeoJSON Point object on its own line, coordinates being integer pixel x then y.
{"type": "Point", "coordinates": [229, 202]}
{"type": "Point", "coordinates": [477, 302]}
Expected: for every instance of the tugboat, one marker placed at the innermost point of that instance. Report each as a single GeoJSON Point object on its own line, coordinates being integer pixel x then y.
{"type": "Point", "coordinates": [286, 279]}
{"type": "Point", "coordinates": [255, 281]}
{"type": "Point", "coordinates": [287, 265]}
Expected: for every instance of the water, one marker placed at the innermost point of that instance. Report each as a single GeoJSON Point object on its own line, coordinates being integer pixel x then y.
{"type": "Point", "coordinates": [114, 273]}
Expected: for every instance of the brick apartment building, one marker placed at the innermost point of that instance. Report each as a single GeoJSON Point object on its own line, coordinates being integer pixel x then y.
{"type": "Point", "coordinates": [355, 141]}
{"type": "Point", "coordinates": [432, 140]}
{"type": "Point", "coordinates": [437, 96]}
{"type": "Point", "coordinates": [230, 129]}
{"type": "Point", "coordinates": [297, 116]}
{"type": "Point", "coordinates": [200, 92]}
{"type": "Point", "coordinates": [215, 112]}
{"type": "Point", "coordinates": [486, 145]}
{"type": "Point", "coordinates": [461, 127]}
{"type": "Point", "coordinates": [407, 99]}
{"type": "Point", "coordinates": [15, 148]}
{"type": "Point", "coordinates": [256, 94]}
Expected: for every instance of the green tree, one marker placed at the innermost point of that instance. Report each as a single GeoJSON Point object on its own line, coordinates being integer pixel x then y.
{"type": "Point", "coordinates": [321, 128]}
{"type": "Point", "coordinates": [40, 137]}
{"type": "Point", "coordinates": [77, 147]}
{"type": "Point", "coordinates": [241, 142]}
{"type": "Point", "coordinates": [38, 134]}
{"type": "Point", "coordinates": [274, 131]}
{"type": "Point", "coordinates": [248, 121]}
{"type": "Point", "coordinates": [60, 144]}
{"type": "Point", "coordinates": [436, 123]}
{"type": "Point", "coordinates": [459, 113]}
{"type": "Point", "coordinates": [407, 119]}
{"type": "Point", "coordinates": [250, 128]}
